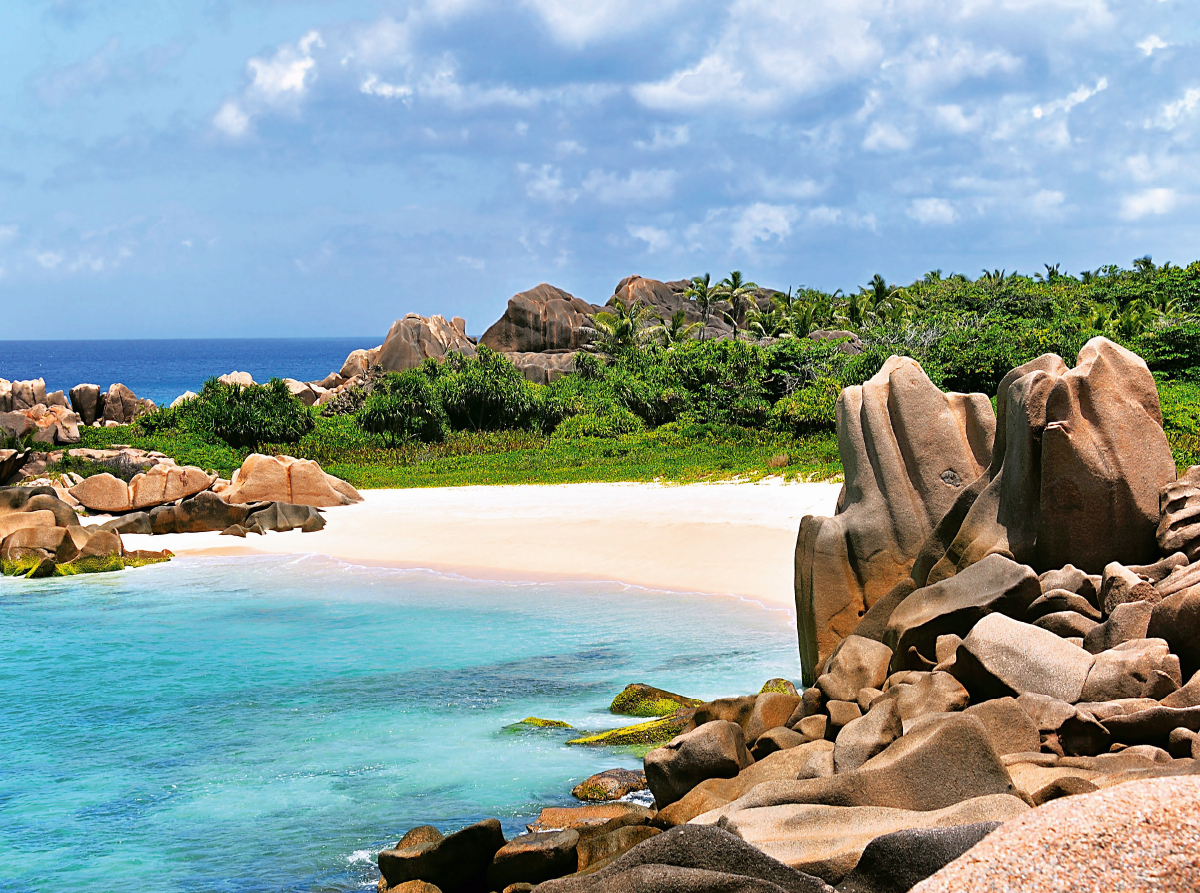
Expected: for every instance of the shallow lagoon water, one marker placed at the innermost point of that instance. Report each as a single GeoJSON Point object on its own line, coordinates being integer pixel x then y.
{"type": "Point", "coordinates": [272, 723]}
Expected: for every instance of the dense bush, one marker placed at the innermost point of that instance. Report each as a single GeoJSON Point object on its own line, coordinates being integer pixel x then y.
{"type": "Point", "coordinates": [405, 406]}
{"type": "Point", "coordinates": [484, 393]}
{"type": "Point", "coordinates": [808, 410]}
{"type": "Point", "coordinates": [242, 417]}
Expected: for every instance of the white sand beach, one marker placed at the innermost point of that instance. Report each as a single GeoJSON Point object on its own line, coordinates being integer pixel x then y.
{"type": "Point", "coordinates": [727, 538]}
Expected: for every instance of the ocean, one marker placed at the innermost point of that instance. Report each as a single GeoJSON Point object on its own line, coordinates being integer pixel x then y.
{"type": "Point", "coordinates": [161, 370]}
{"type": "Point", "coordinates": [269, 724]}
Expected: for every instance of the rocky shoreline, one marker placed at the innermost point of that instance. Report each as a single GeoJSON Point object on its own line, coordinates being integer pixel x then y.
{"type": "Point", "coordinates": [1000, 629]}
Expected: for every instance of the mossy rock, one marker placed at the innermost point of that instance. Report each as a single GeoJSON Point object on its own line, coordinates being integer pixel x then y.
{"type": "Point", "coordinates": [655, 733]}
{"type": "Point", "coordinates": [780, 686]}
{"type": "Point", "coordinates": [539, 723]}
{"type": "Point", "coordinates": [30, 567]}
{"type": "Point", "coordinates": [646, 700]}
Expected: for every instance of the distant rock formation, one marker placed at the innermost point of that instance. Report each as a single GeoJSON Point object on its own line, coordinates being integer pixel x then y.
{"type": "Point", "coordinates": [908, 451]}
{"type": "Point", "coordinates": [542, 319]}
{"type": "Point", "coordinates": [415, 338]}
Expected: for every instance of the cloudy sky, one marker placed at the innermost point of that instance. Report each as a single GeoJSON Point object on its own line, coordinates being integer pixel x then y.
{"type": "Point", "coordinates": [320, 167]}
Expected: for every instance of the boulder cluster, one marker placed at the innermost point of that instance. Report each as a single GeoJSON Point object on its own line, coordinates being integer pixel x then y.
{"type": "Point", "coordinates": [1000, 632]}
{"type": "Point", "coordinates": [40, 531]}
{"type": "Point", "coordinates": [26, 408]}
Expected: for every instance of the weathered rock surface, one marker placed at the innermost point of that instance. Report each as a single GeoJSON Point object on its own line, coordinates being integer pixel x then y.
{"type": "Point", "coordinates": [691, 859]}
{"type": "Point", "coordinates": [1138, 836]}
{"type": "Point", "coordinates": [122, 406]}
{"type": "Point", "coordinates": [1010, 728]}
{"type": "Point", "coordinates": [713, 750]}
{"type": "Point", "coordinates": [1079, 460]}
{"type": "Point", "coordinates": [1142, 668]}
{"type": "Point", "coordinates": [896, 862]}
{"type": "Point", "coordinates": [1179, 518]}
{"type": "Point", "coordinates": [286, 479]}
{"type": "Point", "coordinates": [542, 319]}
{"type": "Point", "coordinates": [1176, 619]}
{"type": "Point", "coordinates": [543, 368]}
{"type": "Point", "coordinates": [827, 841]}
{"type": "Point", "coordinates": [534, 858]}
{"type": "Point", "coordinates": [88, 402]}
{"type": "Point", "coordinates": [867, 736]}
{"type": "Point", "coordinates": [204, 511]}
{"type": "Point", "coordinates": [856, 663]}
{"type": "Point", "coordinates": [1002, 657]}
{"type": "Point", "coordinates": [612, 784]}
{"type": "Point", "coordinates": [1126, 623]}
{"type": "Point", "coordinates": [453, 863]}
{"type": "Point", "coordinates": [908, 451]}
{"type": "Point", "coordinates": [416, 338]}
{"type": "Point", "coordinates": [955, 605]}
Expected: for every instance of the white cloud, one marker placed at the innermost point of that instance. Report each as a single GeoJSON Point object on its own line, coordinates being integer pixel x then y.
{"type": "Point", "coordinates": [276, 84]}
{"type": "Point", "coordinates": [373, 86]}
{"type": "Point", "coordinates": [582, 21]}
{"type": "Point", "coordinates": [231, 120]}
{"type": "Point", "coordinates": [666, 138]}
{"type": "Point", "coordinates": [8, 231]}
{"type": "Point", "coordinates": [954, 119]}
{"type": "Point", "coordinates": [638, 186]}
{"type": "Point", "coordinates": [938, 63]}
{"type": "Point", "coordinates": [657, 240]}
{"type": "Point", "coordinates": [546, 184]}
{"type": "Point", "coordinates": [885, 138]}
{"type": "Point", "coordinates": [49, 259]}
{"type": "Point", "coordinates": [1152, 43]}
{"type": "Point", "coordinates": [1147, 202]}
{"type": "Point", "coordinates": [1083, 94]}
{"type": "Point", "coordinates": [1174, 112]}
{"type": "Point", "coordinates": [762, 222]}
{"type": "Point", "coordinates": [932, 211]}
{"type": "Point", "coordinates": [1047, 202]}
{"type": "Point", "coordinates": [771, 53]}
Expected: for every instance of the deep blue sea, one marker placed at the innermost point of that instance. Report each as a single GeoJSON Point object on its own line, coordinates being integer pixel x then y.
{"type": "Point", "coordinates": [161, 370]}
{"type": "Point", "coordinates": [269, 724]}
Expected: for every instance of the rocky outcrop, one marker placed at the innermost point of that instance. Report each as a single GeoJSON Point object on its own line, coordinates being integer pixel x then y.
{"type": "Point", "coordinates": [122, 406]}
{"type": "Point", "coordinates": [415, 338]}
{"type": "Point", "coordinates": [1079, 462]}
{"type": "Point", "coordinates": [1179, 515]}
{"type": "Point", "coordinates": [88, 402]}
{"type": "Point", "coordinates": [161, 484]}
{"type": "Point", "coordinates": [542, 319]}
{"type": "Point", "coordinates": [908, 451]}
{"type": "Point", "coordinates": [287, 479]}
{"type": "Point", "coordinates": [543, 368]}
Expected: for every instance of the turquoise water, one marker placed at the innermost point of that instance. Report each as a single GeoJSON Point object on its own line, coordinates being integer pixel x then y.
{"type": "Point", "coordinates": [270, 724]}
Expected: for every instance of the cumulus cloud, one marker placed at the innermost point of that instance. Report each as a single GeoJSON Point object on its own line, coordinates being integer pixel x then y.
{"type": "Point", "coordinates": [1152, 43]}
{"type": "Point", "coordinates": [1174, 112]}
{"type": "Point", "coordinates": [1148, 202]}
{"type": "Point", "coordinates": [936, 211]}
{"type": "Point", "coordinates": [276, 84]}
{"type": "Point", "coordinates": [639, 185]}
{"type": "Point", "coordinates": [582, 21]}
{"type": "Point", "coordinates": [657, 240]}
{"type": "Point", "coordinates": [883, 137]}
{"type": "Point", "coordinates": [762, 222]}
{"type": "Point", "coordinates": [1083, 94]}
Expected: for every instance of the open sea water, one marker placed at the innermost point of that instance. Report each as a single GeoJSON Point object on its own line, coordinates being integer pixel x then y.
{"type": "Point", "coordinates": [270, 724]}
{"type": "Point", "coordinates": [161, 370]}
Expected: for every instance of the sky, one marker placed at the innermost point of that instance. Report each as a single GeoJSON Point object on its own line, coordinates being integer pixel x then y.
{"type": "Point", "coordinates": [237, 168]}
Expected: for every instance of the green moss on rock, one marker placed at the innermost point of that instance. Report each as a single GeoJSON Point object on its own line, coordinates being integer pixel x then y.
{"type": "Point", "coordinates": [646, 700]}
{"type": "Point", "coordinates": [646, 734]}
{"type": "Point", "coordinates": [30, 567]}
{"type": "Point", "coordinates": [781, 686]}
{"type": "Point", "coordinates": [539, 723]}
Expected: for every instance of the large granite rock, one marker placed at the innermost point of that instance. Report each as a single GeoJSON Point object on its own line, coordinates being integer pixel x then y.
{"type": "Point", "coordinates": [828, 841]}
{"type": "Point", "coordinates": [665, 299]}
{"type": "Point", "coordinates": [896, 862]}
{"type": "Point", "coordinates": [955, 605]}
{"type": "Point", "coordinates": [28, 394]}
{"type": "Point", "coordinates": [1137, 836]}
{"type": "Point", "coordinates": [204, 511]}
{"type": "Point", "coordinates": [691, 859]}
{"type": "Point", "coordinates": [458, 862]}
{"type": "Point", "coordinates": [544, 318]}
{"type": "Point", "coordinates": [856, 663]}
{"type": "Point", "coordinates": [713, 750]}
{"type": "Point", "coordinates": [88, 402]}
{"type": "Point", "coordinates": [1079, 460]}
{"type": "Point", "coordinates": [360, 361]}
{"type": "Point", "coordinates": [543, 368]}
{"type": "Point", "coordinates": [1179, 518]}
{"type": "Point", "coordinates": [1003, 657]}
{"type": "Point", "coordinates": [533, 858]}
{"type": "Point", "coordinates": [908, 451]}
{"type": "Point", "coordinates": [1176, 619]}
{"type": "Point", "coordinates": [287, 479]}
{"type": "Point", "coordinates": [121, 405]}
{"type": "Point", "coordinates": [416, 338]}
{"type": "Point", "coordinates": [159, 485]}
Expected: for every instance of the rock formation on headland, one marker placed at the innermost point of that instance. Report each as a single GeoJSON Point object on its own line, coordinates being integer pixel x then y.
{"type": "Point", "coordinates": [1003, 614]}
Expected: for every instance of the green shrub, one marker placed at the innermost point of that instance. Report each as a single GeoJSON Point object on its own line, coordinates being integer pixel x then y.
{"type": "Point", "coordinates": [614, 424]}
{"type": "Point", "coordinates": [485, 393]}
{"type": "Point", "coordinates": [808, 410]}
{"type": "Point", "coordinates": [242, 417]}
{"type": "Point", "coordinates": [405, 406]}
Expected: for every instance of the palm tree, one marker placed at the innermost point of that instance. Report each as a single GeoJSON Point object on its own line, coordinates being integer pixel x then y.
{"type": "Point", "coordinates": [622, 328]}
{"type": "Point", "coordinates": [737, 292]}
{"type": "Point", "coordinates": [1053, 274]}
{"type": "Point", "coordinates": [1144, 265]}
{"type": "Point", "coordinates": [705, 297]}
{"type": "Point", "coordinates": [674, 330]}
{"type": "Point", "coordinates": [774, 322]}
{"type": "Point", "coordinates": [810, 313]}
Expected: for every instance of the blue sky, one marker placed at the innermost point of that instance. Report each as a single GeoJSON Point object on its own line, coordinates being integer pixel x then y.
{"type": "Point", "coordinates": [311, 167]}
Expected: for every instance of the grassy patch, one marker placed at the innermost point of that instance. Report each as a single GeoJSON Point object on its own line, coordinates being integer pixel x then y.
{"type": "Point", "coordinates": [673, 453]}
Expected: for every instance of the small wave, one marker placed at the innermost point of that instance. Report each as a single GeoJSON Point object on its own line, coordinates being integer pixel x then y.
{"type": "Point", "coordinates": [360, 856]}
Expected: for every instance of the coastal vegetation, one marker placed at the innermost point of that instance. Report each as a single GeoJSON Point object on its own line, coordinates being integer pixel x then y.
{"type": "Point", "coordinates": [655, 399]}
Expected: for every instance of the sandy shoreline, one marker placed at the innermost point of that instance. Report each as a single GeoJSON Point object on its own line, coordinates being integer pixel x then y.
{"type": "Point", "coordinates": [730, 538]}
